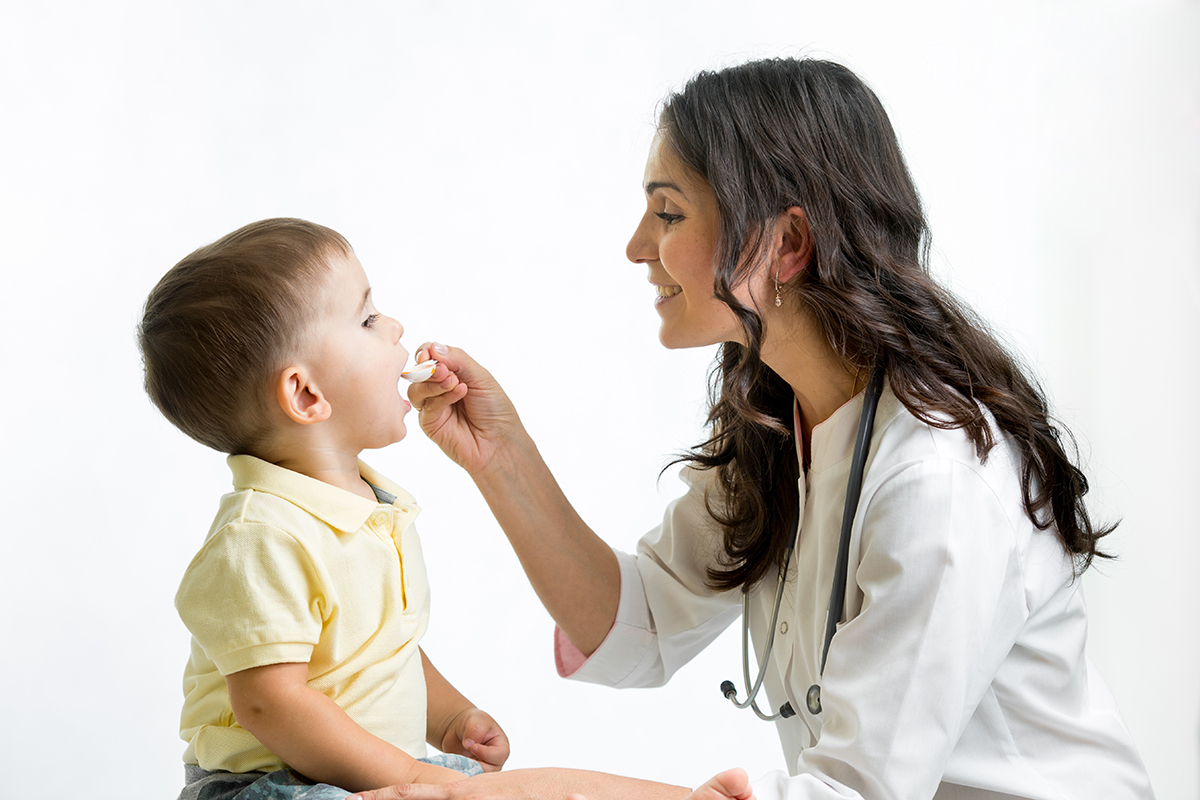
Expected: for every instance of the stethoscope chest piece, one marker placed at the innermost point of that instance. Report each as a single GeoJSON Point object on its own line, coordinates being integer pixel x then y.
{"type": "Point", "coordinates": [813, 700]}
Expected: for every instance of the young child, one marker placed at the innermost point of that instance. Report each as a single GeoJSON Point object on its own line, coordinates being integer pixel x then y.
{"type": "Point", "coordinates": [308, 599]}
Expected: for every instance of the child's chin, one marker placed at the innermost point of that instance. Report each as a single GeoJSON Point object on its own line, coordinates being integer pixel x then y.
{"type": "Point", "coordinates": [390, 438]}
{"type": "Point", "coordinates": [400, 433]}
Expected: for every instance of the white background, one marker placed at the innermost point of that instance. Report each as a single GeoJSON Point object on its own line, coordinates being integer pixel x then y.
{"type": "Point", "coordinates": [484, 159]}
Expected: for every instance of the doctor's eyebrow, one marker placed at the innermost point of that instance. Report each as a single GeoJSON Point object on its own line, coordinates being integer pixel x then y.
{"type": "Point", "coordinates": [654, 186]}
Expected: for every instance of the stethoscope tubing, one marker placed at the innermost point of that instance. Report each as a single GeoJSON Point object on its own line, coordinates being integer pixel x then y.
{"type": "Point", "coordinates": [837, 594]}
{"type": "Point", "coordinates": [862, 444]}
{"type": "Point", "coordinates": [752, 693]}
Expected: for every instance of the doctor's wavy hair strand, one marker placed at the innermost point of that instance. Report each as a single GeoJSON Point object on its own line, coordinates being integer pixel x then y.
{"type": "Point", "coordinates": [772, 134]}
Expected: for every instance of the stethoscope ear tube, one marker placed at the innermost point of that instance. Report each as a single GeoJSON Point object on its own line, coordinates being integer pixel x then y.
{"type": "Point", "coordinates": [862, 443]}
{"type": "Point", "coordinates": [858, 465]}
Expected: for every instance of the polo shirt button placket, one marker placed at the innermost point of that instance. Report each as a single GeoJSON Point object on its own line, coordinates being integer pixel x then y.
{"type": "Point", "coordinates": [382, 522]}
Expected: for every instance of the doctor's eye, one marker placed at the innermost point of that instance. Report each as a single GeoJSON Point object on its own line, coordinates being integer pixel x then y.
{"type": "Point", "coordinates": [670, 219]}
{"type": "Point", "coordinates": [369, 322]}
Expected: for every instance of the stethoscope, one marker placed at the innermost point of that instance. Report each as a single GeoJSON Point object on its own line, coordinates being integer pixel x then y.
{"type": "Point", "coordinates": [837, 595]}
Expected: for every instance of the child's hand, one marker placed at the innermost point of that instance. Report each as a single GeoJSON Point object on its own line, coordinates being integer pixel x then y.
{"type": "Point", "coordinates": [476, 735]}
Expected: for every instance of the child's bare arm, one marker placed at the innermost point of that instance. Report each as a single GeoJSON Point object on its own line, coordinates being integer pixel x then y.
{"type": "Point", "coordinates": [453, 725]}
{"type": "Point", "coordinates": [314, 736]}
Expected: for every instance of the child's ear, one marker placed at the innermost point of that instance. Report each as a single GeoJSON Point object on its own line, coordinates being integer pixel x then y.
{"type": "Point", "coordinates": [300, 398]}
{"type": "Point", "coordinates": [794, 243]}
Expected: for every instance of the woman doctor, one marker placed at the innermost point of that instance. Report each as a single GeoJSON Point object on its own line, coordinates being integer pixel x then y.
{"type": "Point", "coordinates": [781, 221]}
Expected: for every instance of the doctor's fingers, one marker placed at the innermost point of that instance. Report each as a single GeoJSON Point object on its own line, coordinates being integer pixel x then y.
{"type": "Point", "coordinates": [458, 361]}
{"type": "Point", "coordinates": [467, 789]}
{"type": "Point", "coordinates": [403, 792]}
{"type": "Point", "coordinates": [437, 388]}
{"type": "Point", "coordinates": [732, 783]}
{"type": "Point", "coordinates": [410, 791]}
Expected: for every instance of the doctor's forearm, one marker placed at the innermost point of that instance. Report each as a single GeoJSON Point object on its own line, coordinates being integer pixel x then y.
{"type": "Point", "coordinates": [574, 573]}
{"type": "Point", "coordinates": [535, 784]}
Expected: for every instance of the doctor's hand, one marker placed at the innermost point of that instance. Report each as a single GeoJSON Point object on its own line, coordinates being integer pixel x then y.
{"type": "Point", "coordinates": [462, 408]}
{"type": "Point", "coordinates": [732, 784]}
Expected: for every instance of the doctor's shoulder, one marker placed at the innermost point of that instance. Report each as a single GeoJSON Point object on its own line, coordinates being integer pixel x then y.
{"type": "Point", "coordinates": [934, 475]}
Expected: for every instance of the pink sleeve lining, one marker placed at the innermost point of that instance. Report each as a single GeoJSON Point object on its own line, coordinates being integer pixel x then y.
{"type": "Point", "coordinates": [567, 658]}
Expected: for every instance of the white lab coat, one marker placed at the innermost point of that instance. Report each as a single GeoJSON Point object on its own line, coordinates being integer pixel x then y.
{"type": "Point", "coordinates": [959, 668]}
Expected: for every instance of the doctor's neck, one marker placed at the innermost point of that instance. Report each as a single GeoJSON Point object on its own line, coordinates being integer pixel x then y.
{"type": "Point", "coordinates": [821, 380]}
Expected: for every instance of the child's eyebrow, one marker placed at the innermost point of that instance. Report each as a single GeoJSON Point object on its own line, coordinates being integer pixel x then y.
{"type": "Point", "coordinates": [366, 297]}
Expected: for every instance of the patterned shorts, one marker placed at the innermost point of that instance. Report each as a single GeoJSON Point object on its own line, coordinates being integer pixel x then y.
{"type": "Point", "coordinates": [284, 784]}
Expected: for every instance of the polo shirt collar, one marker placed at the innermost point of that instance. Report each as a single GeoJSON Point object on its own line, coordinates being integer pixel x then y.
{"type": "Point", "coordinates": [338, 508]}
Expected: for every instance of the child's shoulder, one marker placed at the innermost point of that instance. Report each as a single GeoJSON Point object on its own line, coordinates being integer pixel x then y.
{"type": "Point", "coordinates": [267, 493]}
{"type": "Point", "coordinates": [247, 506]}
{"type": "Point", "coordinates": [253, 533]}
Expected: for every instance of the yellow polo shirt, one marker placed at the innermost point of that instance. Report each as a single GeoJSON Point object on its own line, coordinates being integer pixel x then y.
{"type": "Point", "coordinates": [296, 570]}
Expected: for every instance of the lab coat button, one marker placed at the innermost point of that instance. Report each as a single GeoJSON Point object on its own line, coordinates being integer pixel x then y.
{"type": "Point", "coordinates": [783, 627]}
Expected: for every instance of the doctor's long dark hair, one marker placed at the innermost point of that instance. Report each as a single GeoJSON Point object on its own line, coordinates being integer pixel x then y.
{"type": "Point", "coordinates": [773, 134]}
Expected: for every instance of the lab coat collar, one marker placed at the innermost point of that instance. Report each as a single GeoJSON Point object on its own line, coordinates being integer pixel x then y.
{"type": "Point", "coordinates": [833, 439]}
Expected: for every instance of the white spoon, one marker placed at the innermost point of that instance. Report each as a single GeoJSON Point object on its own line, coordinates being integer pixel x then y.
{"type": "Point", "coordinates": [421, 372]}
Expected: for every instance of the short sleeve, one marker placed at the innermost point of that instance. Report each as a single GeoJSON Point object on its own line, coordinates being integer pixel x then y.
{"type": "Point", "coordinates": [252, 597]}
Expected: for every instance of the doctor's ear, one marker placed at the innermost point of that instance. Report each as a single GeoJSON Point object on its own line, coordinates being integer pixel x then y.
{"type": "Point", "coordinates": [300, 398]}
{"type": "Point", "coordinates": [793, 243]}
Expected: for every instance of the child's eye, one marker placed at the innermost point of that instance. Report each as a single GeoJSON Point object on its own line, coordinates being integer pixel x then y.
{"type": "Point", "coordinates": [370, 321]}
{"type": "Point", "coordinates": [670, 219]}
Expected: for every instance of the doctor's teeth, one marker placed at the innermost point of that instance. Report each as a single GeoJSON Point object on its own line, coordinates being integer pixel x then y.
{"type": "Point", "coordinates": [668, 291]}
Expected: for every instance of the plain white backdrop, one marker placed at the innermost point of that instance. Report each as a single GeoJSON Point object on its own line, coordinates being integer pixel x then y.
{"type": "Point", "coordinates": [484, 159]}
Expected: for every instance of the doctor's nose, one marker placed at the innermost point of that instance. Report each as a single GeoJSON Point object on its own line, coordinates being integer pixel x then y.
{"type": "Point", "coordinates": [641, 247]}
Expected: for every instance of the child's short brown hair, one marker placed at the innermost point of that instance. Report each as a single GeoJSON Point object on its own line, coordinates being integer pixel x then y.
{"type": "Point", "coordinates": [221, 323]}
